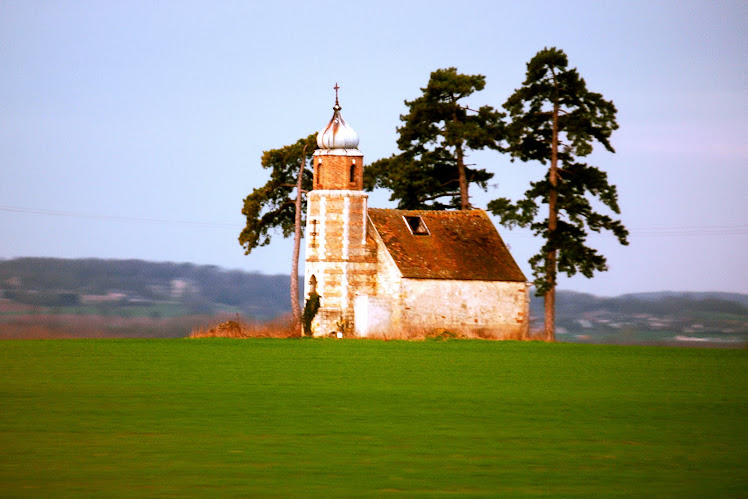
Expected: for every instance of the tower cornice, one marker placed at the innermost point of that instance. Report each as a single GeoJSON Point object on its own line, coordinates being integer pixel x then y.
{"type": "Point", "coordinates": [353, 153]}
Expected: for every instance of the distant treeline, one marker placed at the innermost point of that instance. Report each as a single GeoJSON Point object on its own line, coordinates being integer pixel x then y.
{"type": "Point", "coordinates": [196, 289]}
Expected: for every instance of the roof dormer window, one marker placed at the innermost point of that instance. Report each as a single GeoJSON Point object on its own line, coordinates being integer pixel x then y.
{"type": "Point", "coordinates": [416, 225]}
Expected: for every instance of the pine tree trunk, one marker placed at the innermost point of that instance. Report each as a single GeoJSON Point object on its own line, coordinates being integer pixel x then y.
{"type": "Point", "coordinates": [462, 175]}
{"type": "Point", "coordinates": [295, 306]}
{"type": "Point", "coordinates": [550, 269]}
{"type": "Point", "coordinates": [550, 262]}
{"type": "Point", "coordinates": [464, 196]}
{"type": "Point", "coordinates": [550, 314]}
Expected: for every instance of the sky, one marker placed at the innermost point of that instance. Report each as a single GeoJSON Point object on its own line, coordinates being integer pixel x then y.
{"type": "Point", "coordinates": [134, 129]}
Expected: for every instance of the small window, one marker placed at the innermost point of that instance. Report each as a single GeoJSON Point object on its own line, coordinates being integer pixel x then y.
{"type": "Point", "coordinates": [353, 173]}
{"type": "Point", "coordinates": [319, 173]}
{"type": "Point", "coordinates": [417, 226]}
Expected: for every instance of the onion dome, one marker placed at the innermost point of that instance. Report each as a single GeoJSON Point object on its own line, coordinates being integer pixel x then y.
{"type": "Point", "coordinates": [337, 134]}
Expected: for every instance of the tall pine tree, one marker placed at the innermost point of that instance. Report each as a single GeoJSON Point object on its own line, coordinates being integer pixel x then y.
{"type": "Point", "coordinates": [437, 134]}
{"type": "Point", "coordinates": [272, 207]}
{"type": "Point", "coordinates": [555, 120]}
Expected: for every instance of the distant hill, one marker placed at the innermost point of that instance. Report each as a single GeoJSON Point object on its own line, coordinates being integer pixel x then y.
{"type": "Point", "coordinates": [711, 295]}
{"type": "Point", "coordinates": [713, 319]}
{"type": "Point", "coordinates": [132, 286]}
{"type": "Point", "coordinates": [572, 303]}
{"type": "Point", "coordinates": [136, 288]}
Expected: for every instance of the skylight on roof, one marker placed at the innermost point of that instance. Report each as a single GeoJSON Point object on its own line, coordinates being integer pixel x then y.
{"type": "Point", "coordinates": [416, 225]}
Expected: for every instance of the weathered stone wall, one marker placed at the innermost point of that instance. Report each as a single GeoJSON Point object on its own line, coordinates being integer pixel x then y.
{"type": "Point", "coordinates": [389, 279]}
{"type": "Point", "coordinates": [493, 309]}
{"type": "Point", "coordinates": [338, 256]}
{"type": "Point", "coordinates": [400, 306]}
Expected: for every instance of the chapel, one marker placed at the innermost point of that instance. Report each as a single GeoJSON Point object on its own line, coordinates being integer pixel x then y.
{"type": "Point", "coordinates": [398, 272]}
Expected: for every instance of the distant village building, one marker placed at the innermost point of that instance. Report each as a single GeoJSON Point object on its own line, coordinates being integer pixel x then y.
{"type": "Point", "coordinates": [382, 271]}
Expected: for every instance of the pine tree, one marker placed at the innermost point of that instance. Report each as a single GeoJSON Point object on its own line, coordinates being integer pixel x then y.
{"type": "Point", "coordinates": [272, 207]}
{"type": "Point", "coordinates": [430, 172]}
{"type": "Point", "coordinates": [555, 120]}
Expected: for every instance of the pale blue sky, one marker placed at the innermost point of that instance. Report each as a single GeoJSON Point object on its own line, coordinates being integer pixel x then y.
{"type": "Point", "coordinates": [133, 129]}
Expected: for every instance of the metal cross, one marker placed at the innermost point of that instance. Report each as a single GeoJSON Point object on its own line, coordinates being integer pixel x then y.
{"type": "Point", "coordinates": [336, 87]}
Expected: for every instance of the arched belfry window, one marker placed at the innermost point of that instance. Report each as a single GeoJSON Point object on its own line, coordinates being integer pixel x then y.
{"type": "Point", "coordinates": [319, 173]}
{"type": "Point", "coordinates": [353, 173]}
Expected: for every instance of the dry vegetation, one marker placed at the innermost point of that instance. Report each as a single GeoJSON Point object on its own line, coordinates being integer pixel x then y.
{"type": "Point", "coordinates": [63, 326]}
{"type": "Point", "coordinates": [281, 327]}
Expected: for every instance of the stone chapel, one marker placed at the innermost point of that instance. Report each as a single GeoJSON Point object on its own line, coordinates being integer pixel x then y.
{"type": "Point", "coordinates": [394, 272]}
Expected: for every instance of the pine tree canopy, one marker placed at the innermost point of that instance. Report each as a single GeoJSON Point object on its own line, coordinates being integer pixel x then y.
{"type": "Point", "coordinates": [554, 119]}
{"type": "Point", "coordinates": [436, 135]}
{"type": "Point", "coordinates": [583, 116]}
{"type": "Point", "coordinates": [271, 207]}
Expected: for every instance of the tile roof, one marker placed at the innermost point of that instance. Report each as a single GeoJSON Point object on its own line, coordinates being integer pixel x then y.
{"type": "Point", "coordinates": [462, 245]}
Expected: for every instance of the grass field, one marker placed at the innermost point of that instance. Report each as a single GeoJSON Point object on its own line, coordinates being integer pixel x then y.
{"type": "Point", "coordinates": [338, 418]}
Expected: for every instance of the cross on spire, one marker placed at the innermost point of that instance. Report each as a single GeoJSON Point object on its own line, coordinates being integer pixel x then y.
{"type": "Point", "coordinates": [336, 87]}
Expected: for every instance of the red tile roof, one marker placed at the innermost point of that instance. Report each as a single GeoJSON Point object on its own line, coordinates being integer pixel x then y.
{"type": "Point", "coordinates": [462, 245]}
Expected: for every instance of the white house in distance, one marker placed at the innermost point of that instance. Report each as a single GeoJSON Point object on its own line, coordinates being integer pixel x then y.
{"type": "Point", "coordinates": [398, 272]}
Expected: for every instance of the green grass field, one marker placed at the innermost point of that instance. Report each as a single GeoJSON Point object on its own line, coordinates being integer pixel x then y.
{"type": "Point", "coordinates": [338, 418]}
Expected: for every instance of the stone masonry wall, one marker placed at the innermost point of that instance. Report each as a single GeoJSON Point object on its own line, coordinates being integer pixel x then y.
{"type": "Point", "coordinates": [494, 309]}
{"type": "Point", "coordinates": [338, 255]}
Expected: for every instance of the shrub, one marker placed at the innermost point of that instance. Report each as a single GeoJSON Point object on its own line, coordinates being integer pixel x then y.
{"type": "Point", "coordinates": [311, 307]}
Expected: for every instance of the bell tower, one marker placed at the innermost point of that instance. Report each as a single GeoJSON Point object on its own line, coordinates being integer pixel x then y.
{"type": "Point", "coordinates": [336, 264]}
